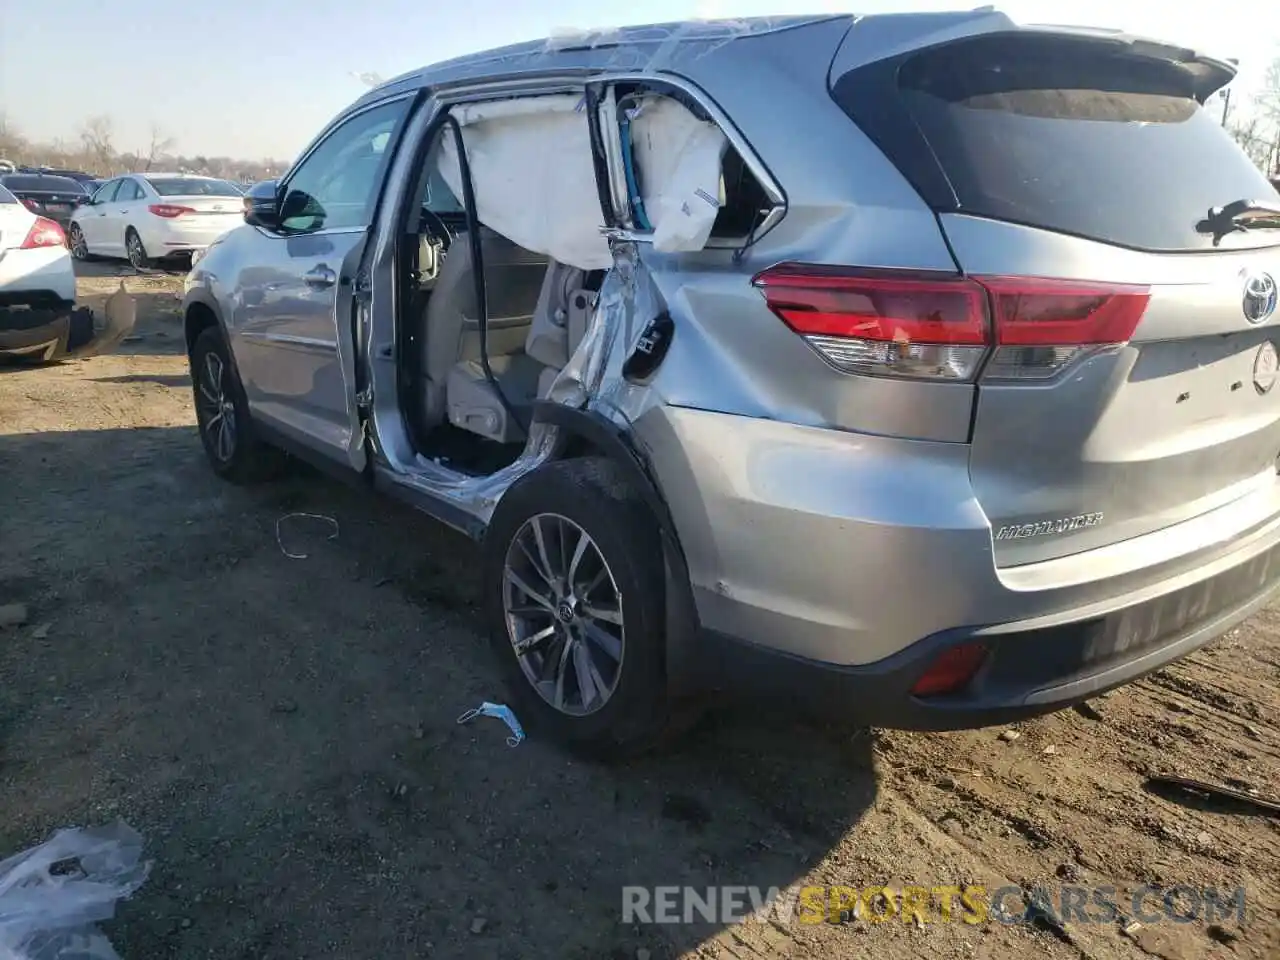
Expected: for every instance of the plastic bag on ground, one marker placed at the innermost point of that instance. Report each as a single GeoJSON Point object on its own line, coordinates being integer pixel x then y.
{"type": "Point", "coordinates": [52, 894]}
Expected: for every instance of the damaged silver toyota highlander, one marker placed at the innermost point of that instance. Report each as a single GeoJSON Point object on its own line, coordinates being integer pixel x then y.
{"type": "Point", "coordinates": [915, 367]}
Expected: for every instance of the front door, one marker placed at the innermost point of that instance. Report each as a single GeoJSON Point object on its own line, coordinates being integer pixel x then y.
{"type": "Point", "coordinates": [93, 218]}
{"type": "Point", "coordinates": [293, 333]}
{"type": "Point", "coordinates": [128, 210]}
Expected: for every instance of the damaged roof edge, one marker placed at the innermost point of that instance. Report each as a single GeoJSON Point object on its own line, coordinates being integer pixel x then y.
{"type": "Point", "coordinates": [563, 52]}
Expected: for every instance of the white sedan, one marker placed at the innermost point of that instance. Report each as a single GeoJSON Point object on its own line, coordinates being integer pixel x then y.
{"type": "Point", "coordinates": [37, 284]}
{"type": "Point", "coordinates": [39, 318]}
{"type": "Point", "coordinates": [153, 216]}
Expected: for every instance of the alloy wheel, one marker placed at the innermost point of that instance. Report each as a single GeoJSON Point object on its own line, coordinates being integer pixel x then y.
{"type": "Point", "coordinates": [137, 253]}
{"type": "Point", "coordinates": [215, 410]}
{"type": "Point", "coordinates": [79, 249]}
{"type": "Point", "coordinates": [563, 612]}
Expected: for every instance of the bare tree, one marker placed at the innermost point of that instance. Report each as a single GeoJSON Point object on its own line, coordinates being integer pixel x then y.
{"type": "Point", "coordinates": [160, 144]}
{"type": "Point", "coordinates": [93, 149]}
{"type": "Point", "coordinates": [1251, 133]}
{"type": "Point", "coordinates": [1256, 124]}
{"type": "Point", "coordinates": [97, 135]}
{"type": "Point", "coordinates": [1269, 107]}
{"type": "Point", "coordinates": [13, 145]}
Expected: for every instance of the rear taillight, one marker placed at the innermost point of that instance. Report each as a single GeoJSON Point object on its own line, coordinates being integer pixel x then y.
{"type": "Point", "coordinates": [943, 326]}
{"type": "Point", "coordinates": [44, 233]}
{"type": "Point", "coordinates": [882, 322]}
{"type": "Point", "coordinates": [169, 210]}
{"type": "Point", "coordinates": [1044, 325]}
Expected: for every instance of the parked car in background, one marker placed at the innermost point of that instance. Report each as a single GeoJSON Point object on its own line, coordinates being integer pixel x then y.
{"type": "Point", "coordinates": [46, 195]}
{"type": "Point", "coordinates": [149, 217]}
{"type": "Point", "coordinates": [38, 314]}
{"type": "Point", "coordinates": [898, 383]}
{"type": "Point", "coordinates": [79, 176]}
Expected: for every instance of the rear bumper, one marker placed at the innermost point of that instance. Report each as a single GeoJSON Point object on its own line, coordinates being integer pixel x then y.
{"type": "Point", "coordinates": [37, 277]}
{"type": "Point", "coordinates": [1029, 670]}
{"type": "Point", "coordinates": [835, 568]}
{"type": "Point", "coordinates": [45, 332]}
{"type": "Point", "coordinates": [165, 239]}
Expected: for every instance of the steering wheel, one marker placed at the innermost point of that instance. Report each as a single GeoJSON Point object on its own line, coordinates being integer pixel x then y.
{"type": "Point", "coordinates": [434, 224]}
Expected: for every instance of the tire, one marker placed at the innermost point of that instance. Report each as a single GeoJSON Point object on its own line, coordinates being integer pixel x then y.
{"type": "Point", "coordinates": [222, 416]}
{"type": "Point", "coordinates": [79, 248]}
{"type": "Point", "coordinates": [135, 251]}
{"type": "Point", "coordinates": [622, 709]}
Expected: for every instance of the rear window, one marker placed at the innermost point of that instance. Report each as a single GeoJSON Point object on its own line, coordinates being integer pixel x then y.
{"type": "Point", "coordinates": [42, 183]}
{"type": "Point", "coordinates": [1069, 135]}
{"type": "Point", "coordinates": [6, 196]}
{"type": "Point", "coordinates": [192, 187]}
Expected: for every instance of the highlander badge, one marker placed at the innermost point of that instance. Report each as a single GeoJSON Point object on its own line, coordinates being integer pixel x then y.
{"type": "Point", "coordinates": [1020, 531]}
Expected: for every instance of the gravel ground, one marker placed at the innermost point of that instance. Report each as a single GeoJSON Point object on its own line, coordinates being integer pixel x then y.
{"type": "Point", "coordinates": [282, 732]}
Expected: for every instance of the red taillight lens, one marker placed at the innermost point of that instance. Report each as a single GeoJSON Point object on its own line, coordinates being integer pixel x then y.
{"type": "Point", "coordinates": [940, 326]}
{"type": "Point", "coordinates": [953, 669]}
{"type": "Point", "coordinates": [1044, 325]}
{"type": "Point", "coordinates": [1033, 312]}
{"type": "Point", "coordinates": [44, 233]}
{"type": "Point", "coordinates": [882, 322]}
{"type": "Point", "coordinates": [168, 210]}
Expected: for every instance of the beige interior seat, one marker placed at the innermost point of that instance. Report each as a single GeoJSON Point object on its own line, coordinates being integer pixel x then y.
{"type": "Point", "coordinates": [455, 387]}
{"type": "Point", "coordinates": [560, 320]}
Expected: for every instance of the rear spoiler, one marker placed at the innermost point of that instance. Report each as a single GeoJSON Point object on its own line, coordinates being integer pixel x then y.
{"type": "Point", "coordinates": [1208, 74]}
{"type": "Point", "coordinates": [885, 36]}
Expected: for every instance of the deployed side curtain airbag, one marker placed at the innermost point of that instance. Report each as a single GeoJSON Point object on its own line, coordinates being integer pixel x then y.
{"type": "Point", "coordinates": [533, 174]}
{"type": "Point", "coordinates": [679, 159]}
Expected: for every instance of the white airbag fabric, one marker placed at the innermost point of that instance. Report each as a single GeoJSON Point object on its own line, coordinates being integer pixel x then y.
{"type": "Point", "coordinates": [679, 161]}
{"type": "Point", "coordinates": [533, 175]}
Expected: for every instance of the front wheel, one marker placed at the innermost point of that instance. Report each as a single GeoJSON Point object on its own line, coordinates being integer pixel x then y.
{"type": "Point", "coordinates": [222, 415]}
{"type": "Point", "coordinates": [574, 593]}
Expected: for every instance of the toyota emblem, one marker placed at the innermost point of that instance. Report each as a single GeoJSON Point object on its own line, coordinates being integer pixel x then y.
{"type": "Point", "coordinates": [1260, 296]}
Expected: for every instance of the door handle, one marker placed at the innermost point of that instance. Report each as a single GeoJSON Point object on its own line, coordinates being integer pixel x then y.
{"type": "Point", "coordinates": [320, 277]}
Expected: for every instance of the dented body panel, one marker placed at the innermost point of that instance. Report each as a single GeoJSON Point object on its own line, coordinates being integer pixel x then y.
{"type": "Point", "coordinates": [837, 521]}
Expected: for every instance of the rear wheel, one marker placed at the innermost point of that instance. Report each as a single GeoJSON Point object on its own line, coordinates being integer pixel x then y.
{"type": "Point", "coordinates": [574, 592]}
{"type": "Point", "coordinates": [79, 248]}
{"type": "Point", "coordinates": [222, 415]}
{"type": "Point", "coordinates": [135, 250]}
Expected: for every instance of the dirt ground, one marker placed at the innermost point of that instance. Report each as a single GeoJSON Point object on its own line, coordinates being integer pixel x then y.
{"type": "Point", "coordinates": [282, 731]}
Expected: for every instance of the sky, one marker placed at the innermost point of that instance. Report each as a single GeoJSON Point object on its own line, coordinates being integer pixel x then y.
{"type": "Point", "coordinates": [258, 78]}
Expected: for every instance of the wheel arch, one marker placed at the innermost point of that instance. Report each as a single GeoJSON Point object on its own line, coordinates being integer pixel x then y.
{"type": "Point", "coordinates": [585, 433]}
{"type": "Point", "coordinates": [200, 313]}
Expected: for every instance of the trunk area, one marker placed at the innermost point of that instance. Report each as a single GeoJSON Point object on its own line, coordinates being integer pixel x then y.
{"type": "Point", "coordinates": [1182, 420]}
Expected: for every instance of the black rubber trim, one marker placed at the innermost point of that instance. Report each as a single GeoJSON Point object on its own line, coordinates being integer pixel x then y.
{"type": "Point", "coordinates": [1029, 672]}
{"type": "Point", "coordinates": [385, 481]}
{"type": "Point", "coordinates": [477, 269]}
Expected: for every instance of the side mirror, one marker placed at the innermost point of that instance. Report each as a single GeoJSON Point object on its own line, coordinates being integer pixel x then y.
{"type": "Point", "coordinates": [262, 205]}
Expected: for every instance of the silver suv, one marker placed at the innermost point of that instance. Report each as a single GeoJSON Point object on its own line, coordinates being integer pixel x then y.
{"type": "Point", "coordinates": [919, 367]}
